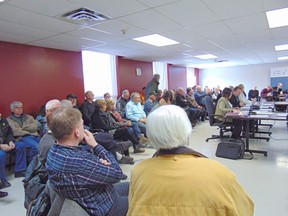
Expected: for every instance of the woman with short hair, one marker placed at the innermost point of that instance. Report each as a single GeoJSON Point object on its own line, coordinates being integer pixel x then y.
{"type": "Point", "coordinates": [180, 181]}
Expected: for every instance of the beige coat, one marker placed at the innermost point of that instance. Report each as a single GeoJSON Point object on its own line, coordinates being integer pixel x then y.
{"type": "Point", "coordinates": [186, 185]}
{"type": "Point", "coordinates": [223, 106]}
{"type": "Point", "coordinates": [29, 126]}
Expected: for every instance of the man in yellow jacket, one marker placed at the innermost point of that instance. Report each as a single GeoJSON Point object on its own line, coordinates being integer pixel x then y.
{"type": "Point", "coordinates": [178, 180]}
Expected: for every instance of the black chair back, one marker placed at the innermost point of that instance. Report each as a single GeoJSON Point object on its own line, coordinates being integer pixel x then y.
{"type": "Point", "coordinates": [210, 109]}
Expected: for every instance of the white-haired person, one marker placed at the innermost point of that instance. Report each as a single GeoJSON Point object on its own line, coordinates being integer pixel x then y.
{"type": "Point", "coordinates": [48, 139]}
{"type": "Point", "coordinates": [135, 112]}
{"type": "Point", "coordinates": [180, 181]}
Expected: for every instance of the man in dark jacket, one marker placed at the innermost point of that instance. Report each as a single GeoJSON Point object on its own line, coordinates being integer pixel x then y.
{"type": "Point", "coordinates": [193, 114]}
{"type": "Point", "coordinates": [88, 108]}
{"type": "Point", "coordinates": [152, 86]}
{"type": "Point", "coordinates": [7, 145]}
{"type": "Point", "coordinates": [234, 100]}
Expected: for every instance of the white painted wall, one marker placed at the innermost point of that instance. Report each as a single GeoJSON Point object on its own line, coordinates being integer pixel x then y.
{"type": "Point", "coordinates": [248, 75]}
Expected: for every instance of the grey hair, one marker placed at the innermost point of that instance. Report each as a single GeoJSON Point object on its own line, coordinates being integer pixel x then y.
{"type": "Point", "coordinates": [133, 95]}
{"type": "Point", "coordinates": [156, 76]}
{"type": "Point", "coordinates": [125, 91]}
{"type": "Point", "coordinates": [168, 127]}
{"type": "Point", "coordinates": [15, 104]}
{"type": "Point", "coordinates": [66, 103]}
{"type": "Point", "coordinates": [52, 104]}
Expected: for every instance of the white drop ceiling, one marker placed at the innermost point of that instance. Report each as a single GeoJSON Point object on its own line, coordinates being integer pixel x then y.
{"type": "Point", "coordinates": [234, 30]}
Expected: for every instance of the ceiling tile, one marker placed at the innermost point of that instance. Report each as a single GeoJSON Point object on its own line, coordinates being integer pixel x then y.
{"type": "Point", "coordinates": [188, 13]}
{"type": "Point", "coordinates": [120, 28]}
{"type": "Point", "coordinates": [151, 21]}
{"type": "Point", "coordinates": [24, 17]}
{"type": "Point", "coordinates": [211, 30]}
{"type": "Point", "coordinates": [248, 23]}
{"type": "Point", "coordinates": [226, 9]}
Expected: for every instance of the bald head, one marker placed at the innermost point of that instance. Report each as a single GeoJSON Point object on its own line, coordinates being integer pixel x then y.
{"type": "Point", "coordinates": [52, 105]}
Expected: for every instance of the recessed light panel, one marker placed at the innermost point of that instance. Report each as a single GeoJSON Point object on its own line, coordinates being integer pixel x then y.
{"type": "Point", "coordinates": [283, 58]}
{"type": "Point", "coordinates": [207, 56]}
{"type": "Point", "coordinates": [156, 40]}
{"type": "Point", "coordinates": [277, 18]}
{"type": "Point", "coordinates": [281, 47]}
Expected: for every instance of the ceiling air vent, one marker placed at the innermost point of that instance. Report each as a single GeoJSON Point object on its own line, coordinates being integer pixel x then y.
{"type": "Point", "coordinates": [84, 16]}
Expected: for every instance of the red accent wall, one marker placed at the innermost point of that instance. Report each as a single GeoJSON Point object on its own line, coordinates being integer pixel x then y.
{"type": "Point", "coordinates": [34, 75]}
{"type": "Point", "coordinates": [177, 77]}
{"type": "Point", "coordinates": [126, 75]}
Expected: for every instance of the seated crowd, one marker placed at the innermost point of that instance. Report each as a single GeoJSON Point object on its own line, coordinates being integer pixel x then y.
{"type": "Point", "coordinates": [81, 148]}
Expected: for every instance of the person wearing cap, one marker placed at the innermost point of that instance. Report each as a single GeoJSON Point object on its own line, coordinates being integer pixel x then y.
{"type": "Point", "coordinates": [150, 103]}
{"type": "Point", "coordinates": [180, 181]}
{"type": "Point", "coordinates": [73, 99]}
{"type": "Point", "coordinates": [87, 177]}
{"type": "Point", "coordinates": [88, 108]}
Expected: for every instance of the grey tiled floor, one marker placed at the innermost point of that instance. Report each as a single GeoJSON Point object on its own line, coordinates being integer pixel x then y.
{"type": "Point", "coordinates": [264, 178]}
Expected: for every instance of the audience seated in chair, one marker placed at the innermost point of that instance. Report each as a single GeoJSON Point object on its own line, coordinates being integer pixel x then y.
{"type": "Point", "coordinates": [193, 113]}
{"type": "Point", "coordinates": [193, 104]}
{"type": "Point", "coordinates": [150, 102]}
{"type": "Point", "coordinates": [234, 99]}
{"type": "Point", "coordinates": [8, 145]}
{"type": "Point", "coordinates": [117, 117]}
{"type": "Point", "coordinates": [73, 99]}
{"type": "Point", "coordinates": [24, 129]}
{"type": "Point", "coordinates": [199, 96]}
{"type": "Point", "coordinates": [86, 177]}
{"type": "Point", "coordinates": [253, 94]}
{"type": "Point", "coordinates": [88, 108]}
{"type": "Point", "coordinates": [121, 103]}
{"type": "Point", "coordinates": [267, 93]}
{"type": "Point", "coordinates": [224, 106]}
{"type": "Point", "coordinates": [224, 127]}
{"type": "Point", "coordinates": [135, 112]}
{"type": "Point", "coordinates": [101, 119]}
{"type": "Point", "coordinates": [184, 181]}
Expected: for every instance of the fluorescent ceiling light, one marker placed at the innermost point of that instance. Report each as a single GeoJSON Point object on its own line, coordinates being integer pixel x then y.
{"type": "Point", "coordinates": [213, 65]}
{"type": "Point", "coordinates": [156, 40]}
{"type": "Point", "coordinates": [277, 18]}
{"type": "Point", "coordinates": [283, 58]}
{"type": "Point", "coordinates": [281, 47]}
{"type": "Point", "coordinates": [207, 56]}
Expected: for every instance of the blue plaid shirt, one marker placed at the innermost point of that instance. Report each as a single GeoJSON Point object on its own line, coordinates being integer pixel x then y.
{"type": "Point", "coordinates": [77, 174]}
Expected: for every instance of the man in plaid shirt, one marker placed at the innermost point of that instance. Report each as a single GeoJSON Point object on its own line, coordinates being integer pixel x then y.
{"type": "Point", "coordinates": [86, 177]}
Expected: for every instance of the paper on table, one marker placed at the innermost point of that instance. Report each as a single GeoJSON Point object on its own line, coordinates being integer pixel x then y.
{"type": "Point", "coordinates": [282, 114]}
{"type": "Point", "coordinates": [259, 116]}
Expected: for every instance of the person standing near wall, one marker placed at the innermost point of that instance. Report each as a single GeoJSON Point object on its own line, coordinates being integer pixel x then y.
{"type": "Point", "coordinates": [152, 86]}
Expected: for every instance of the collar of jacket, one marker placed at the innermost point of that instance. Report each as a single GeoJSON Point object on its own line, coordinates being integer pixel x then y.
{"type": "Point", "coordinates": [178, 150]}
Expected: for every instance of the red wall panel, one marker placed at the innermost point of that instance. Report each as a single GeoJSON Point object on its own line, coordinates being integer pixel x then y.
{"type": "Point", "coordinates": [177, 77]}
{"type": "Point", "coordinates": [35, 75]}
{"type": "Point", "coordinates": [126, 75]}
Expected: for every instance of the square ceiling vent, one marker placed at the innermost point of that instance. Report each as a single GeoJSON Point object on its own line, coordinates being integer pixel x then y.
{"type": "Point", "coordinates": [84, 16]}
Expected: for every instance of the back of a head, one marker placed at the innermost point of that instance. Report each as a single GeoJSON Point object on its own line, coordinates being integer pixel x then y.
{"type": "Point", "coordinates": [52, 104]}
{"type": "Point", "coordinates": [168, 127]}
{"type": "Point", "coordinates": [63, 122]}
{"type": "Point", "coordinates": [66, 103]}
